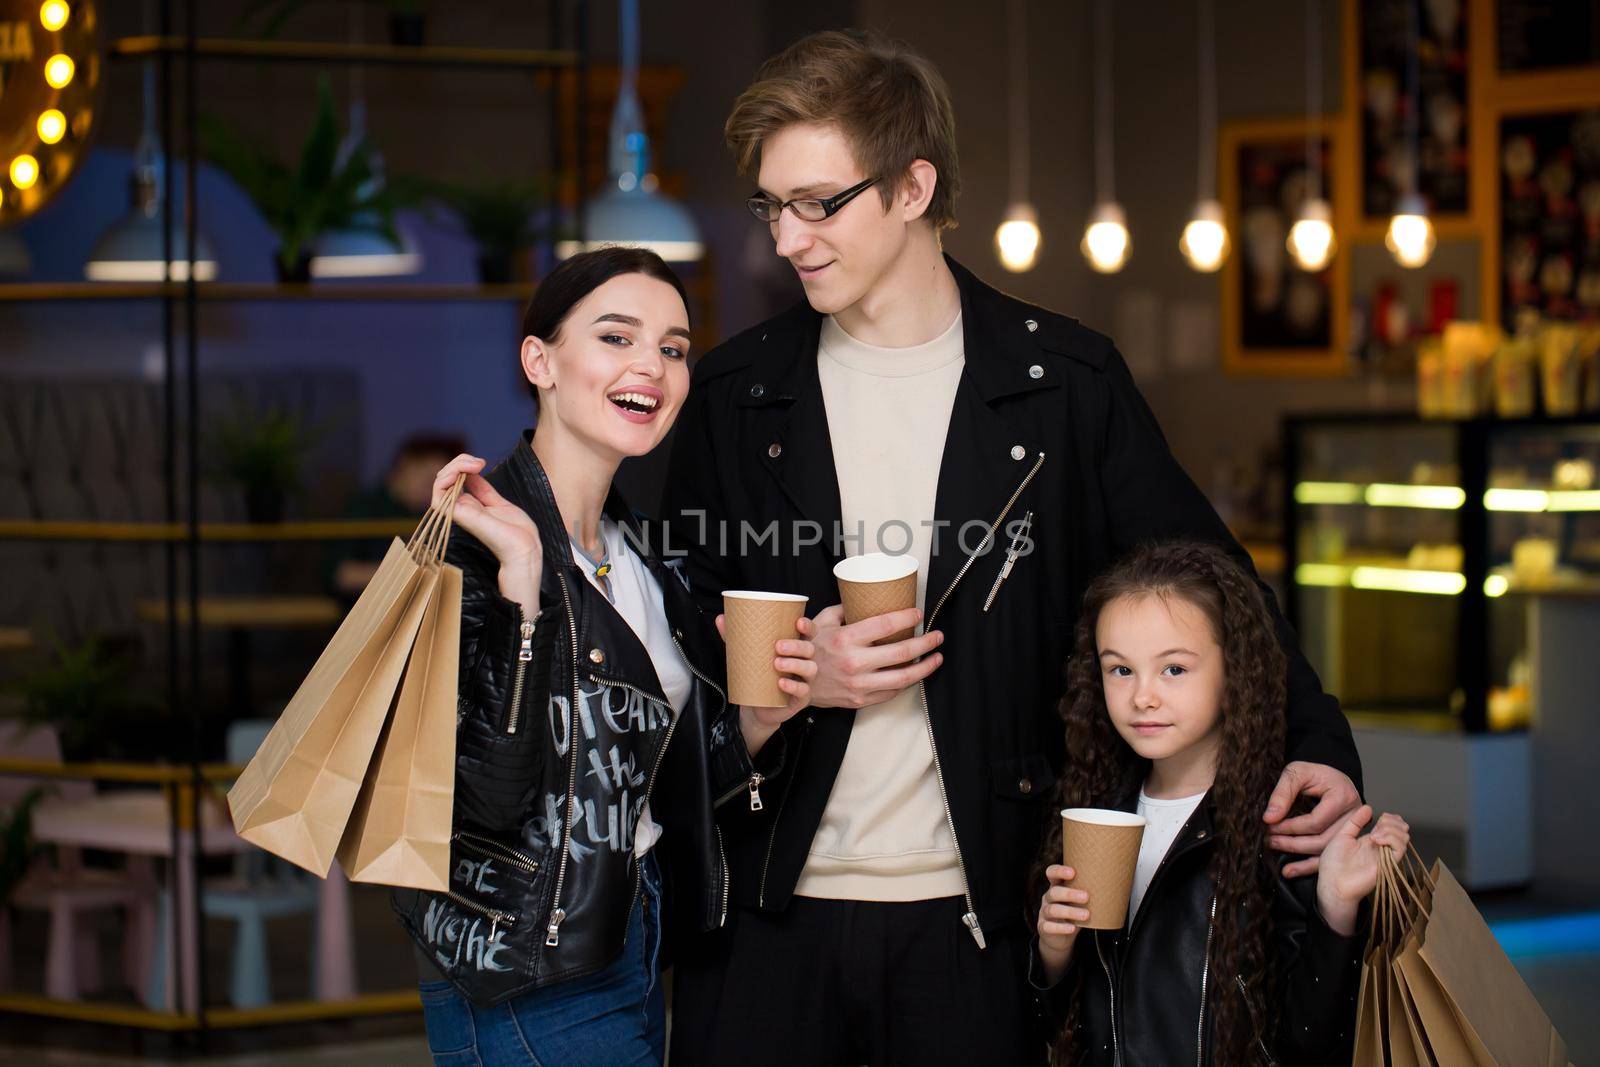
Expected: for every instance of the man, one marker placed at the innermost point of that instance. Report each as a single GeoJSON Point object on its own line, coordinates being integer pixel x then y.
{"type": "Point", "coordinates": [879, 873]}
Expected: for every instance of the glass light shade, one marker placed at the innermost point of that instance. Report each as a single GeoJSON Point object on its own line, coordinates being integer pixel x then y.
{"type": "Point", "coordinates": [362, 254]}
{"type": "Point", "coordinates": [131, 252]}
{"type": "Point", "coordinates": [637, 217]}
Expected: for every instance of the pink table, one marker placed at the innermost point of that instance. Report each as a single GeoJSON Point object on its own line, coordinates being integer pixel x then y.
{"type": "Point", "coordinates": [139, 823]}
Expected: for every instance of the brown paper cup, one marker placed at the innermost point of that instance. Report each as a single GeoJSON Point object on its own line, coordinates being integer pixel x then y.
{"type": "Point", "coordinates": [754, 622]}
{"type": "Point", "coordinates": [1102, 848]}
{"type": "Point", "coordinates": [876, 584]}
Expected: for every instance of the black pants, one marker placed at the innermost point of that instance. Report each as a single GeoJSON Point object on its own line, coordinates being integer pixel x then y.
{"type": "Point", "coordinates": [842, 982]}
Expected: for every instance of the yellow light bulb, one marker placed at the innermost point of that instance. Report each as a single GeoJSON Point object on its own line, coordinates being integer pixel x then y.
{"type": "Point", "coordinates": [58, 71]}
{"type": "Point", "coordinates": [1410, 238]}
{"type": "Point", "coordinates": [1311, 240]}
{"type": "Point", "coordinates": [1106, 243]}
{"type": "Point", "coordinates": [1205, 239]}
{"type": "Point", "coordinates": [1017, 239]}
{"type": "Point", "coordinates": [53, 15]}
{"type": "Point", "coordinates": [24, 171]}
{"type": "Point", "coordinates": [52, 126]}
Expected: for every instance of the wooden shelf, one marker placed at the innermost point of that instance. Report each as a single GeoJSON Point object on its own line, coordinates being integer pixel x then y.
{"type": "Point", "coordinates": [329, 52]}
{"type": "Point", "coordinates": [244, 292]}
{"type": "Point", "coordinates": [324, 530]}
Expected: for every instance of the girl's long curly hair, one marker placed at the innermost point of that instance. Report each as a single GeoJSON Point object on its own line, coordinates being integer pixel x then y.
{"type": "Point", "coordinates": [1101, 769]}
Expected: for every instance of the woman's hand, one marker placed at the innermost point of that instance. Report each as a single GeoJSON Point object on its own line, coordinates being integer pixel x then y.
{"type": "Point", "coordinates": [503, 527]}
{"type": "Point", "coordinates": [1061, 910]}
{"type": "Point", "coordinates": [1349, 870]}
{"type": "Point", "coordinates": [796, 661]}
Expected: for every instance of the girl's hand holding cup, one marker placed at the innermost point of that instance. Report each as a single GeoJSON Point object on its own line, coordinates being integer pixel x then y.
{"type": "Point", "coordinates": [1349, 870]}
{"type": "Point", "coordinates": [503, 527]}
{"type": "Point", "coordinates": [1061, 910]}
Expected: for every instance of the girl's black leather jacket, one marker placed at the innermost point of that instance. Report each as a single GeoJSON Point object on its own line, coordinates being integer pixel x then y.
{"type": "Point", "coordinates": [1145, 987]}
{"type": "Point", "coordinates": [563, 733]}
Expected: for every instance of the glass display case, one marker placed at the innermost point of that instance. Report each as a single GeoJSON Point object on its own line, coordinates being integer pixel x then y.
{"type": "Point", "coordinates": [1418, 554]}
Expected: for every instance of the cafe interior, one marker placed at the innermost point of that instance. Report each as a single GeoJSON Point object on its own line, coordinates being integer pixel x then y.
{"type": "Point", "coordinates": [1350, 250]}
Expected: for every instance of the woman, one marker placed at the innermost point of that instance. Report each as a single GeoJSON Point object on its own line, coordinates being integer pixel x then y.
{"type": "Point", "coordinates": [593, 739]}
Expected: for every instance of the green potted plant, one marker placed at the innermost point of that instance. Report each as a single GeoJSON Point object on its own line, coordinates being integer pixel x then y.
{"type": "Point", "coordinates": [330, 188]}
{"type": "Point", "coordinates": [501, 217]}
{"type": "Point", "coordinates": [262, 452]}
{"type": "Point", "coordinates": [407, 22]}
{"type": "Point", "coordinates": [87, 692]}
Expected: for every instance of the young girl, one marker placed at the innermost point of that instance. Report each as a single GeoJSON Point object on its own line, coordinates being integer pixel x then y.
{"type": "Point", "coordinates": [1175, 710]}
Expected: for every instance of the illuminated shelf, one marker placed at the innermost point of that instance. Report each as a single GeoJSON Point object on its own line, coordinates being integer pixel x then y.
{"type": "Point", "coordinates": [1396, 577]}
{"type": "Point", "coordinates": [328, 52]}
{"type": "Point", "coordinates": [322, 530]}
{"type": "Point", "coordinates": [219, 292]}
{"type": "Point", "coordinates": [1444, 497]}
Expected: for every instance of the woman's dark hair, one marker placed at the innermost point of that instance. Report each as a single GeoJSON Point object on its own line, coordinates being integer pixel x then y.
{"type": "Point", "coordinates": [576, 278]}
{"type": "Point", "coordinates": [1102, 768]}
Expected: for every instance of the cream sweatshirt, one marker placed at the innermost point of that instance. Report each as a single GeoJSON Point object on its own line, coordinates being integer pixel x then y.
{"type": "Point", "coordinates": [884, 835]}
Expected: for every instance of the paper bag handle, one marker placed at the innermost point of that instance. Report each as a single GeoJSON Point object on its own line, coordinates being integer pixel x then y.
{"type": "Point", "coordinates": [432, 535]}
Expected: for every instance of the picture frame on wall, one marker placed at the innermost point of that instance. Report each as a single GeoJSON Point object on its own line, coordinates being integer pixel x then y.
{"type": "Point", "coordinates": [1276, 318]}
{"type": "Point", "coordinates": [1541, 35]}
{"type": "Point", "coordinates": [1389, 43]}
{"type": "Point", "coordinates": [1547, 243]}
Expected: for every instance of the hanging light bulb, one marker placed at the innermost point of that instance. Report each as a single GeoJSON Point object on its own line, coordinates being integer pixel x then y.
{"type": "Point", "coordinates": [1105, 241]}
{"type": "Point", "coordinates": [1205, 239]}
{"type": "Point", "coordinates": [1311, 238]}
{"type": "Point", "coordinates": [1017, 239]}
{"type": "Point", "coordinates": [1410, 238]}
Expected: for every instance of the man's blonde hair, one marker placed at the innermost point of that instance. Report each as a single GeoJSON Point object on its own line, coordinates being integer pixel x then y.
{"type": "Point", "coordinates": [890, 103]}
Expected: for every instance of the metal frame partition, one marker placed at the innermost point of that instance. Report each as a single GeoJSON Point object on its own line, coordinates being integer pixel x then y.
{"type": "Point", "coordinates": [179, 50]}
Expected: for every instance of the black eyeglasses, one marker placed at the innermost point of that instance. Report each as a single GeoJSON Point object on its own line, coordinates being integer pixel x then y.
{"type": "Point", "coordinates": [811, 209]}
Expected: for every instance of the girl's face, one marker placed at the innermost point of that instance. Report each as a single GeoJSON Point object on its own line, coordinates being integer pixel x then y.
{"type": "Point", "coordinates": [1163, 674]}
{"type": "Point", "coordinates": [618, 373]}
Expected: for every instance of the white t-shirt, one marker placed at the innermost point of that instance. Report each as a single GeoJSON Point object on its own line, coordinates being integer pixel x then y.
{"type": "Point", "coordinates": [637, 598]}
{"type": "Point", "coordinates": [1163, 820]}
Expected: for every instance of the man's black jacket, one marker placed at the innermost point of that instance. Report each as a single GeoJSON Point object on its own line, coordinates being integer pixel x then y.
{"type": "Point", "coordinates": [1052, 447]}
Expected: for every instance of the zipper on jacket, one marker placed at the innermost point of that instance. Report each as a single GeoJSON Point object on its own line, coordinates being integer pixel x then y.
{"type": "Point", "coordinates": [970, 919]}
{"type": "Point", "coordinates": [1111, 987]}
{"type": "Point", "coordinates": [1261, 1042]}
{"type": "Point", "coordinates": [772, 837]}
{"type": "Point", "coordinates": [496, 917]}
{"type": "Point", "coordinates": [650, 782]}
{"type": "Point", "coordinates": [1205, 975]}
{"type": "Point", "coordinates": [499, 851]}
{"type": "Point", "coordinates": [558, 914]}
{"type": "Point", "coordinates": [1011, 561]}
{"type": "Point", "coordinates": [755, 791]}
{"type": "Point", "coordinates": [722, 858]}
{"type": "Point", "coordinates": [717, 689]}
{"type": "Point", "coordinates": [524, 655]}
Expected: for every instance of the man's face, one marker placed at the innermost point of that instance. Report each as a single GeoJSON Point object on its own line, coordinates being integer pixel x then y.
{"type": "Point", "coordinates": [840, 259]}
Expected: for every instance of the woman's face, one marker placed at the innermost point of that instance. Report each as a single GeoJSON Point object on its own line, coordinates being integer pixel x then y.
{"type": "Point", "coordinates": [617, 374]}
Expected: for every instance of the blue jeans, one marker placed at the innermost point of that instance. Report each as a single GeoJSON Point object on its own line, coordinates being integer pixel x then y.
{"type": "Point", "coordinates": [615, 1016]}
